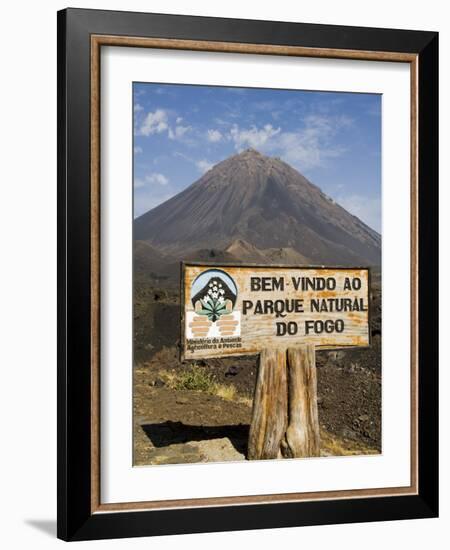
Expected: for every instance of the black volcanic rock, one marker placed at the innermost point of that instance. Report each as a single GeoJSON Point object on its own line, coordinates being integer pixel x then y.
{"type": "Point", "coordinates": [264, 203]}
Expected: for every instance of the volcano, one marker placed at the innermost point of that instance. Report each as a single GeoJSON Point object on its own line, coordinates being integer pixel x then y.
{"type": "Point", "coordinates": [264, 208]}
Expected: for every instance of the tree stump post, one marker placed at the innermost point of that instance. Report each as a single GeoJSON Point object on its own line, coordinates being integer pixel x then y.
{"type": "Point", "coordinates": [285, 418]}
{"type": "Point", "coordinates": [269, 415]}
{"type": "Point", "coordinates": [302, 435]}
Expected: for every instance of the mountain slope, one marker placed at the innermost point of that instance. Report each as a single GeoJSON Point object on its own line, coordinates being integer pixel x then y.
{"type": "Point", "coordinates": [264, 203]}
{"type": "Point", "coordinates": [246, 252]}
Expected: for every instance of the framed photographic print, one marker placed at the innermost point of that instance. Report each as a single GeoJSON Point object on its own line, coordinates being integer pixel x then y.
{"type": "Point", "coordinates": [247, 274]}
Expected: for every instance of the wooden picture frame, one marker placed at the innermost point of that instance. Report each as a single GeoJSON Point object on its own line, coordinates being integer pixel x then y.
{"type": "Point", "coordinates": [81, 35]}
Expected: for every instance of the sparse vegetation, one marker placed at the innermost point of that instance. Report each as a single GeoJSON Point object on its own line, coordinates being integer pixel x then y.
{"type": "Point", "coordinates": [331, 445]}
{"type": "Point", "coordinates": [230, 393]}
{"type": "Point", "coordinates": [199, 379]}
{"type": "Point", "coordinates": [226, 392]}
{"type": "Point", "coordinates": [196, 378]}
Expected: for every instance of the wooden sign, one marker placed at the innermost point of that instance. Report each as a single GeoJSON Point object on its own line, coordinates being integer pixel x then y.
{"type": "Point", "coordinates": [240, 310]}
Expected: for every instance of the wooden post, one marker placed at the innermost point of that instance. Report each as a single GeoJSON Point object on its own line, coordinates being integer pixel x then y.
{"type": "Point", "coordinates": [269, 416]}
{"type": "Point", "coordinates": [302, 435]}
{"type": "Point", "coordinates": [285, 417]}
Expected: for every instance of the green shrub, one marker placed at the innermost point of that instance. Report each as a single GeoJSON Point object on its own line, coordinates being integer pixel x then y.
{"type": "Point", "coordinates": [196, 378]}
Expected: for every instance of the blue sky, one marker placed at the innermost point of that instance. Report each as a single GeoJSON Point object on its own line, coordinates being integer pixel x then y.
{"type": "Point", "coordinates": [334, 139]}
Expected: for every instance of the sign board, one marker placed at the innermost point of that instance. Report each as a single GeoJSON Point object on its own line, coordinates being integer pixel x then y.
{"type": "Point", "coordinates": [242, 309]}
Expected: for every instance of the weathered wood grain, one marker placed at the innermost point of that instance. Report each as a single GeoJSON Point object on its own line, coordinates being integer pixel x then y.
{"type": "Point", "coordinates": [269, 416]}
{"type": "Point", "coordinates": [302, 437]}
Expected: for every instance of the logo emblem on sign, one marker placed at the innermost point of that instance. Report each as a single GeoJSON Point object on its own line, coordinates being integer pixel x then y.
{"type": "Point", "coordinates": [213, 298]}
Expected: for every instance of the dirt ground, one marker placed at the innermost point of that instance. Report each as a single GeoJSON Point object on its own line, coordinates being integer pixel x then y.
{"type": "Point", "coordinates": [176, 420]}
{"type": "Point", "coordinates": [174, 425]}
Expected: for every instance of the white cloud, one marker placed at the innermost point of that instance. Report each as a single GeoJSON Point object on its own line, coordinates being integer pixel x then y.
{"type": "Point", "coordinates": [154, 123]}
{"type": "Point", "coordinates": [178, 132]}
{"type": "Point", "coordinates": [138, 183]}
{"type": "Point", "coordinates": [137, 108]}
{"type": "Point", "coordinates": [221, 121]}
{"type": "Point", "coordinates": [312, 145]}
{"type": "Point", "coordinates": [145, 202]}
{"type": "Point", "coordinates": [151, 179]}
{"type": "Point", "coordinates": [214, 136]}
{"type": "Point", "coordinates": [305, 148]}
{"type": "Point", "coordinates": [179, 120]}
{"type": "Point", "coordinates": [204, 165]}
{"type": "Point", "coordinates": [137, 150]}
{"type": "Point", "coordinates": [157, 122]}
{"type": "Point", "coordinates": [155, 177]}
{"type": "Point", "coordinates": [183, 156]}
{"type": "Point", "coordinates": [252, 137]}
{"type": "Point", "coordinates": [365, 208]}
